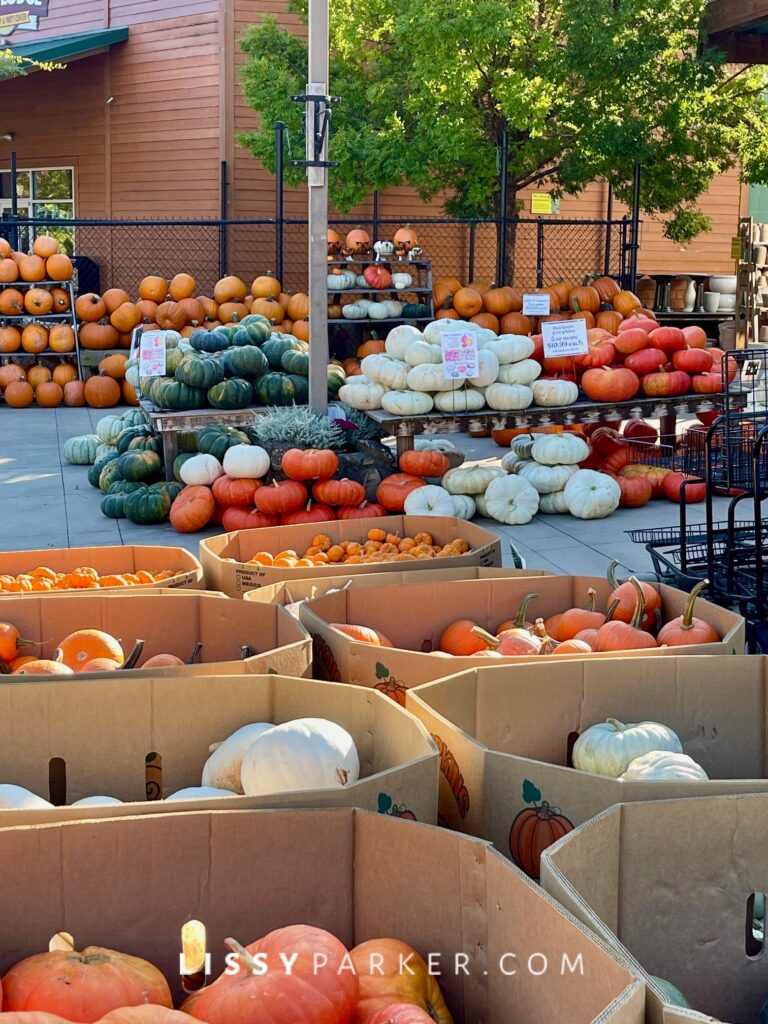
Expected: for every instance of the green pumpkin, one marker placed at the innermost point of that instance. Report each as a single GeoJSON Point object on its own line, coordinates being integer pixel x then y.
{"type": "Point", "coordinates": [256, 318]}
{"type": "Point", "coordinates": [178, 462]}
{"type": "Point", "coordinates": [172, 394]}
{"type": "Point", "coordinates": [209, 341]}
{"type": "Point", "coordinates": [109, 474]}
{"type": "Point", "coordinates": [234, 393]}
{"type": "Point", "coordinates": [135, 465]}
{"type": "Point", "coordinates": [248, 362]}
{"type": "Point", "coordinates": [134, 418]}
{"type": "Point", "coordinates": [215, 439]}
{"type": "Point", "coordinates": [277, 345]}
{"type": "Point", "coordinates": [81, 450]}
{"type": "Point", "coordinates": [251, 334]}
{"type": "Point", "coordinates": [415, 309]}
{"type": "Point", "coordinates": [125, 437]}
{"type": "Point", "coordinates": [673, 995]}
{"type": "Point", "coordinates": [95, 471]}
{"type": "Point", "coordinates": [147, 507]}
{"type": "Point", "coordinates": [147, 444]}
{"type": "Point", "coordinates": [113, 503]}
{"type": "Point", "coordinates": [173, 359]}
{"type": "Point", "coordinates": [124, 486]}
{"type": "Point", "coordinates": [295, 362]}
{"type": "Point", "coordinates": [171, 487]}
{"type": "Point", "coordinates": [200, 371]}
{"type": "Point", "coordinates": [335, 382]}
{"type": "Point", "coordinates": [277, 389]}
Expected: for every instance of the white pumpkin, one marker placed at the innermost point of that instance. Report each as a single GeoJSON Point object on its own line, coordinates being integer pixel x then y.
{"type": "Point", "coordinates": [471, 479]}
{"type": "Point", "coordinates": [553, 503]}
{"type": "Point", "coordinates": [401, 281]}
{"type": "Point", "coordinates": [508, 397]}
{"type": "Point", "coordinates": [484, 336]}
{"type": "Point", "coordinates": [658, 765]}
{"type": "Point", "coordinates": [488, 367]}
{"type": "Point", "coordinates": [430, 377]}
{"type": "Point", "coordinates": [419, 352]}
{"type": "Point", "coordinates": [608, 748]}
{"type": "Point", "coordinates": [463, 505]}
{"type": "Point", "coordinates": [521, 464]}
{"type": "Point", "coordinates": [201, 469]}
{"type": "Point", "coordinates": [555, 392]}
{"type": "Point", "coordinates": [392, 373]}
{"type": "Point", "coordinates": [400, 338]}
{"type": "Point", "coordinates": [378, 311]}
{"type": "Point", "coordinates": [433, 330]}
{"type": "Point", "coordinates": [360, 282]}
{"type": "Point", "coordinates": [511, 500]}
{"type": "Point", "coordinates": [522, 445]}
{"type": "Point", "coordinates": [246, 462]}
{"type": "Point", "coordinates": [524, 372]}
{"type": "Point", "coordinates": [428, 444]}
{"type": "Point", "coordinates": [592, 495]}
{"type": "Point", "coordinates": [306, 754]}
{"type": "Point", "coordinates": [481, 505]}
{"type": "Point", "coordinates": [340, 282]}
{"type": "Point", "coordinates": [82, 450]}
{"type": "Point", "coordinates": [108, 429]}
{"type": "Point", "coordinates": [546, 479]}
{"type": "Point", "coordinates": [362, 393]}
{"type": "Point", "coordinates": [564, 449]}
{"type": "Point", "coordinates": [407, 403]}
{"type": "Point", "coordinates": [16, 798]}
{"type": "Point", "coordinates": [511, 348]}
{"type": "Point", "coordinates": [394, 308]}
{"type": "Point", "coordinates": [96, 801]}
{"type": "Point", "coordinates": [198, 793]}
{"type": "Point", "coordinates": [222, 769]}
{"type": "Point", "coordinates": [430, 500]}
{"type": "Point", "coordinates": [105, 449]}
{"type": "Point", "coordinates": [465, 400]}
{"type": "Point", "coordinates": [132, 372]}
{"type": "Point", "coordinates": [509, 460]}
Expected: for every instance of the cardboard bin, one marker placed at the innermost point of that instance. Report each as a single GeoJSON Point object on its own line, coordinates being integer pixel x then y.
{"type": "Point", "coordinates": [224, 558]}
{"type": "Point", "coordinates": [671, 887]}
{"type": "Point", "coordinates": [132, 883]}
{"type": "Point", "coordinates": [414, 617]}
{"type": "Point", "coordinates": [110, 561]}
{"type": "Point", "coordinates": [505, 738]}
{"type": "Point", "coordinates": [170, 622]}
{"type": "Point", "coordinates": [104, 729]}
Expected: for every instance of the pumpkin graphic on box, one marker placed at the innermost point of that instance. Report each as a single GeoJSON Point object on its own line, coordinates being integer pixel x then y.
{"type": "Point", "coordinates": [323, 662]}
{"type": "Point", "coordinates": [534, 829]}
{"type": "Point", "coordinates": [386, 806]}
{"type": "Point", "coordinates": [388, 685]}
{"type": "Point", "coordinates": [450, 768]}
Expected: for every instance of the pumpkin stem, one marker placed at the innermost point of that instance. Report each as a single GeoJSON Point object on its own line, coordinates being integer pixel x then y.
{"type": "Point", "coordinates": [246, 651]}
{"type": "Point", "coordinates": [617, 725]}
{"type": "Point", "coordinates": [687, 620]}
{"type": "Point", "coordinates": [196, 653]}
{"type": "Point", "coordinates": [61, 942]}
{"type": "Point", "coordinates": [637, 618]}
{"type": "Point", "coordinates": [592, 595]}
{"type": "Point", "coordinates": [611, 574]}
{"type": "Point", "coordinates": [247, 960]}
{"type": "Point", "coordinates": [133, 657]}
{"type": "Point", "coordinates": [520, 618]}
{"type": "Point", "coordinates": [489, 640]}
{"type": "Point", "coordinates": [58, 655]}
{"type": "Point", "coordinates": [612, 609]}
{"type": "Point", "coordinates": [543, 810]}
{"type": "Point", "coordinates": [214, 746]}
{"type": "Point", "coordinates": [548, 644]}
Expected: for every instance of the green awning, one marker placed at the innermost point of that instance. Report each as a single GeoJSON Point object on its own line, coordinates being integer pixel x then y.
{"type": "Point", "coordinates": [61, 49]}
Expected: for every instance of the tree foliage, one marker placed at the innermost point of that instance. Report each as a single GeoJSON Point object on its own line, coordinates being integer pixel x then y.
{"type": "Point", "coordinates": [11, 65]}
{"type": "Point", "coordinates": [584, 87]}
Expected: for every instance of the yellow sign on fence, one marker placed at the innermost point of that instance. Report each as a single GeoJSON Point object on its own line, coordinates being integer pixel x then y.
{"type": "Point", "coordinates": [736, 248]}
{"type": "Point", "coordinates": [541, 202]}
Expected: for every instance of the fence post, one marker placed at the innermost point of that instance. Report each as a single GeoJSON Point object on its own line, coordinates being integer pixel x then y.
{"type": "Point", "coordinates": [472, 239]}
{"type": "Point", "coordinates": [279, 182]}
{"type": "Point", "coordinates": [376, 214]}
{"type": "Point", "coordinates": [223, 222]}
{"type": "Point", "coordinates": [501, 228]}
{"type": "Point", "coordinates": [635, 243]}
{"type": "Point", "coordinates": [539, 253]}
{"type": "Point", "coordinates": [608, 230]}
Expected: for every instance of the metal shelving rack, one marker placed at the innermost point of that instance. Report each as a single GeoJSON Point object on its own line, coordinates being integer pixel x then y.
{"type": "Point", "coordinates": [748, 309]}
{"type": "Point", "coordinates": [29, 318]}
{"type": "Point", "coordinates": [421, 287]}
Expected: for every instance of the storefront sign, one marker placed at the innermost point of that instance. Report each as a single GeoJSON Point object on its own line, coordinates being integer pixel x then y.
{"type": "Point", "coordinates": [536, 305]}
{"type": "Point", "coordinates": [565, 338]}
{"type": "Point", "coordinates": [152, 354]}
{"type": "Point", "coordinates": [21, 14]}
{"type": "Point", "coordinates": [460, 355]}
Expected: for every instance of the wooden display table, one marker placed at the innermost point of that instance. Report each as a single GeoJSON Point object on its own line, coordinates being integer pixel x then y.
{"type": "Point", "coordinates": [170, 424]}
{"type": "Point", "coordinates": [404, 428]}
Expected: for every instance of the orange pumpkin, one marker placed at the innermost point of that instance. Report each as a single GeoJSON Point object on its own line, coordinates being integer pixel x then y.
{"type": "Point", "coordinates": [101, 392]}
{"type": "Point", "coordinates": [606, 288]}
{"type": "Point", "coordinates": [32, 268]}
{"type": "Point", "coordinates": [147, 308]}
{"type": "Point", "coordinates": [686, 629]}
{"type": "Point", "coordinates": [405, 238]}
{"type": "Point", "coordinates": [183, 286]}
{"type": "Point", "coordinates": [113, 299]}
{"type": "Point", "coordinates": [59, 268]}
{"type": "Point", "coordinates": [487, 320]}
{"type": "Point", "coordinates": [19, 395]}
{"type": "Point", "coordinates": [266, 287]}
{"type": "Point", "coordinates": [64, 373]}
{"type": "Point", "coordinates": [10, 339]}
{"type": "Point", "coordinates": [114, 365]}
{"type": "Point", "coordinates": [90, 307]}
{"type": "Point", "coordinates": [515, 323]}
{"type": "Point", "coordinates": [74, 393]}
{"type": "Point", "coordinates": [34, 338]}
{"type": "Point", "coordinates": [584, 300]}
{"type": "Point", "coordinates": [128, 392]}
{"type": "Point", "coordinates": [358, 241]}
{"type": "Point", "coordinates": [154, 288]}
{"type": "Point", "coordinates": [626, 303]}
{"type": "Point", "coordinates": [11, 372]}
{"type": "Point", "coordinates": [615, 635]}
{"type": "Point", "coordinates": [98, 336]}
{"type": "Point", "coordinates": [467, 302]}
{"type": "Point", "coordinates": [49, 395]}
{"type": "Point", "coordinates": [193, 310]}
{"type": "Point", "coordinates": [588, 318]}
{"type": "Point", "coordinates": [609, 320]}
{"type": "Point", "coordinates": [271, 309]}
{"type": "Point", "coordinates": [334, 242]}
{"type": "Point", "coordinates": [298, 306]}
{"type": "Point", "coordinates": [193, 509]}
{"type": "Point", "coordinates": [230, 289]}
{"type": "Point", "coordinates": [37, 375]}
{"type": "Point", "coordinates": [125, 318]}
{"type": "Point", "coordinates": [232, 312]}
{"type": "Point", "coordinates": [45, 246]}
{"type": "Point", "coordinates": [38, 301]}
{"type": "Point", "coordinates": [9, 271]}
{"type": "Point", "coordinates": [424, 463]}
{"type": "Point", "coordinates": [574, 620]}
{"type": "Point", "coordinates": [61, 338]}
{"type": "Point", "coordinates": [61, 300]}
{"type": "Point", "coordinates": [563, 292]}
{"type": "Point", "coordinates": [170, 316]}
{"type": "Point", "coordinates": [394, 489]}
{"type": "Point", "coordinates": [300, 329]}
{"type": "Point", "coordinates": [11, 302]}
{"type": "Point", "coordinates": [5, 248]}
{"type": "Point", "coordinates": [363, 634]}
{"type": "Point", "coordinates": [389, 983]}
{"type": "Point", "coordinates": [371, 347]}
{"type": "Point", "coordinates": [210, 307]}
{"type": "Point", "coordinates": [626, 595]}
{"type": "Point", "coordinates": [497, 301]}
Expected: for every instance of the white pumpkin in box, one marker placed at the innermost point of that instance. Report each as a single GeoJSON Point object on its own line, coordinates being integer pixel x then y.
{"type": "Point", "coordinates": [430, 377]}
{"type": "Point", "coordinates": [430, 500]}
{"type": "Point", "coordinates": [222, 769]}
{"type": "Point", "coordinates": [663, 765]}
{"type": "Point", "coordinates": [306, 754]}
{"type": "Point", "coordinates": [508, 397]}
{"type": "Point", "coordinates": [16, 798]}
{"type": "Point", "coordinates": [198, 793]}
{"type": "Point", "coordinates": [465, 400]}
{"type": "Point", "coordinates": [549, 393]}
{"type": "Point", "coordinates": [562, 449]}
{"type": "Point", "coordinates": [363, 394]}
{"type": "Point", "coordinates": [523, 372]}
{"type": "Point", "coordinates": [419, 352]}
{"type": "Point", "coordinates": [511, 348]}
{"type": "Point", "coordinates": [202, 470]}
{"type": "Point", "coordinates": [246, 461]}
{"type": "Point", "coordinates": [471, 479]}
{"type": "Point", "coordinates": [511, 500]}
{"type": "Point", "coordinates": [383, 369]}
{"type": "Point", "coordinates": [608, 748]}
{"type": "Point", "coordinates": [553, 503]}
{"type": "Point", "coordinates": [400, 338]}
{"type": "Point", "coordinates": [434, 330]}
{"type": "Point", "coordinates": [407, 403]}
{"type": "Point", "coordinates": [464, 506]}
{"type": "Point", "coordinates": [488, 369]}
{"type": "Point", "coordinates": [546, 479]}
{"type": "Point", "coordinates": [592, 495]}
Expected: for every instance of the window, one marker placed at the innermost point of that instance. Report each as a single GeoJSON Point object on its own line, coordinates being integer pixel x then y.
{"type": "Point", "coordinates": [45, 193]}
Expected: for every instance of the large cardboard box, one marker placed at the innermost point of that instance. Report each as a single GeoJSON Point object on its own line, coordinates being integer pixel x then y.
{"type": "Point", "coordinates": [506, 737]}
{"type": "Point", "coordinates": [224, 558]}
{"type": "Point", "coordinates": [132, 884]}
{"type": "Point", "coordinates": [171, 622]}
{"type": "Point", "coordinates": [290, 593]}
{"type": "Point", "coordinates": [100, 731]}
{"type": "Point", "coordinates": [414, 617]}
{"type": "Point", "coordinates": [109, 561]}
{"type": "Point", "coordinates": [671, 887]}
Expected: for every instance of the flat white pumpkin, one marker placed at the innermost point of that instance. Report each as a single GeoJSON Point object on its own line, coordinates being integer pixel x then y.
{"type": "Point", "coordinates": [546, 479]}
{"type": "Point", "coordinates": [306, 754]}
{"type": "Point", "coordinates": [464, 506]}
{"type": "Point", "coordinates": [198, 793]}
{"type": "Point", "coordinates": [553, 503]}
{"type": "Point", "coordinates": [96, 801]}
{"type": "Point", "coordinates": [434, 329]}
{"type": "Point", "coordinates": [608, 748]}
{"type": "Point", "coordinates": [430, 377]}
{"type": "Point", "coordinates": [407, 403]}
{"type": "Point", "coordinates": [222, 769]}
{"type": "Point", "coordinates": [523, 444]}
{"type": "Point", "coordinates": [509, 460]}
{"type": "Point", "coordinates": [511, 348]}
{"type": "Point", "coordinates": [508, 397]}
{"type": "Point", "coordinates": [201, 469]}
{"type": "Point", "coordinates": [591, 495]}
{"type": "Point", "coordinates": [430, 500]}
{"type": "Point", "coordinates": [362, 394]}
{"type": "Point", "coordinates": [488, 367]}
{"type": "Point", "coordinates": [419, 352]}
{"type": "Point", "coordinates": [383, 369]}
{"type": "Point", "coordinates": [524, 372]}
{"type": "Point", "coordinates": [464, 400]}
{"type": "Point", "coordinates": [428, 444]}
{"type": "Point", "coordinates": [394, 308]}
{"type": "Point", "coordinates": [246, 462]}
{"type": "Point", "coordinates": [356, 310]}
{"type": "Point", "coordinates": [471, 479]}
{"type": "Point", "coordinates": [16, 798]}
{"type": "Point", "coordinates": [400, 338]}
{"type": "Point", "coordinates": [564, 449]}
{"type": "Point", "coordinates": [401, 281]}
{"type": "Point", "coordinates": [378, 311]}
{"type": "Point", "coordinates": [511, 500]}
{"type": "Point", "coordinates": [660, 765]}
{"type": "Point", "coordinates": [554, 392]}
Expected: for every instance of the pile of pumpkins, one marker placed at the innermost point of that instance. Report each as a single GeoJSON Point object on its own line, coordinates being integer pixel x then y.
{"type": "Point", "coordinates": [58, 384]}
{"type": "Point", "coordinates": [232, 367]}
{"type": "Point", "coordinates": [107, 321]}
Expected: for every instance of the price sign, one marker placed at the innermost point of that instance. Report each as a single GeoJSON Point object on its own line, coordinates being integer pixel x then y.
{"type": "Point", "coordinates": [736, 248]}
{"type": "Point", "coordinates": [460, 355]}
{"type": "Point", "coordinates": [541, 202]}
{"type": "Point", "coordinates": [565, 338]}
{"type": "Point", "coordinates": [152, 354]}
{"type": "Point", "coordinates": [536, 305]}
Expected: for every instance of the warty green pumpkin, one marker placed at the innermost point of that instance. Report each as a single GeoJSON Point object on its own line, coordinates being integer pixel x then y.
{"type": "Point", "coordinates": [234, 393]}
{"type": "Point", "coordinates": [248, 362]}
{"type": "Point", "coordinates": [200, 371]}
{"type": "Point", "coordinates": [137, 465]}
{"type": "Point", "coordinates": [216, 439]}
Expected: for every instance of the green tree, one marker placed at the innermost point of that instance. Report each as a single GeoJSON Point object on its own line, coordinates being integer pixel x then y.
{"type": "Point", "coordinates": [584, 87]}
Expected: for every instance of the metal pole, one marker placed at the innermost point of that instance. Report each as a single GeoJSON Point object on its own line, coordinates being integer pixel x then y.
{"type": "Point", "coordinates": [376, 215]}
{"type": "Point", "coordinates": [540, 254]}
{"type": "Point", "coordinates": [635, 245]}
{"type": "Point", "coordinates": [279, 181]}
{"type": "Point", "coordinates": [317, 180]}
{"type": "Point", "coordinates": [223, 186]}
{"type": "Point", "coordinates": [501, 248]}
{"type": "Point", "coordinates": [472, 240]}
{"type": "Point", "coordinates": [14, 239]}
{"type": "Point", "coordinates": [608, 232]}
